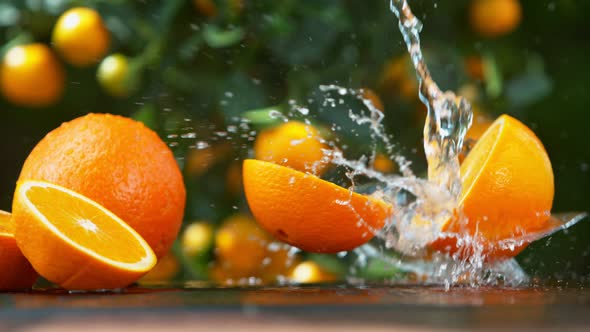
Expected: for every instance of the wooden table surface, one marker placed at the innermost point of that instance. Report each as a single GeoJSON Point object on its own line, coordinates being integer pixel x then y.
{"type": "Point", "coordinates": [334, 308]}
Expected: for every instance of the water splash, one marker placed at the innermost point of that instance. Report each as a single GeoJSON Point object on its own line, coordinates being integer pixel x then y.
{"type": "Point", "coordinates": [448, 117]}
{"type": "Point", "coordinates": [421, 206]}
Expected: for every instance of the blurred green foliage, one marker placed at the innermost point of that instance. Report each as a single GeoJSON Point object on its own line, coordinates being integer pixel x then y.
{"type": "Point", "coordinates": [198, 73]}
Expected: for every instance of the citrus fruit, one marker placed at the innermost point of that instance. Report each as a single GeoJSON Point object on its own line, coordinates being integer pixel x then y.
{"type": "Point", "coordinates": [310, 272]}
{"type": "Point", "coordinates": [17, 272]}
{"type": "Point", "coordinates": [240, 245]}
{"type": "Point", "coordinates": [308, 212]}
{"type": "Point", "coordinates": [480, 123]}
{"type": "Point", "coordinates": [224, 275]}
{"type": "Point", "coordinates": [371, 96]}
{"type": "Point", "coordinates": [119, 163]}
{"type": "Point", "coordinates": [494, 18]}
{"type": "Point", "coordinates": [206, 7]}
{"type": "Point", "coordinates": [474, 67]}
{"type": "Point", "coordinates": [166, 269]}
{"type": "Point", "coordinates": [383, 163]}
{"type": "Point", "coordinates": [81, 37]}
{"type": "Point", "coordinates": [31, 76]}
{"type": "Point", "coordinates": [507, 191]}
{"type": "Point", "coordinates": [398, 75]}
{"type": "Point", "coordinates": [200, 160]}
{"type": "Point", "coordinates": [197, 238]}
{"type": "Point", "coordinates": [293, 144]}
{"type": "Point", "coordinates": [278, 263]}
{"type": "Point", "coordinates": [75, 242]}
{"type": "Point", "coordinates": [211, 8]}
{"type": "Point", "coordinates": [113, 75]}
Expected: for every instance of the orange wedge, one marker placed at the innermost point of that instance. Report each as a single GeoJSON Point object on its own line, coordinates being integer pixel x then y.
{"type": "Point", "coordinates": [308, 212]}
{"type": "Point", "coordinates": [74, 242]}
{"type": "Point", "coordinates": [507, 191]}
{"type": "Point", "coordinates": [16, 273]}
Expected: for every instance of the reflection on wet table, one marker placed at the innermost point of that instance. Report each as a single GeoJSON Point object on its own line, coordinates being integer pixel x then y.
{"type": "Point", "coordinates": [329, 308]}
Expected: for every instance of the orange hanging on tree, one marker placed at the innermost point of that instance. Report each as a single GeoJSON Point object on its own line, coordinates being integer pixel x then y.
{"type": "Point", "coordinates": [494, 18]}
{"type": "Point", "coordinates": [31, 76]}
{"type": "Point", "coordinates": [81, 36]}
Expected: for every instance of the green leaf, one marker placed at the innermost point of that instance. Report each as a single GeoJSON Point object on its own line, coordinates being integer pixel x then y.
{"type": "Point", "coordinates": [215, 37]}
{"type": "Point", "coordinates": [20, 39]}
{"type": "Point", "coordinates": [378, 268]}
{"type": "Point", "coordinates": [308, 43]}
{"type": "Point", "coordinates": [190, 47]}
{"type": "Point", "coordinates": [331, 263]}
{"type": "Point", "coordinates": [239, 93]}
{"type": "Point", "coordinates": [9, 15]}
{"type": "Point", "coordinates": [493, 76]}
{"type": "Point", "coordinates": [147, 115]}
{"type": "Point", "coordinates": [264, 117]}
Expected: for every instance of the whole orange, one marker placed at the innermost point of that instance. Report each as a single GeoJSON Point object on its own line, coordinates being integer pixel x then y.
{"type": "Point", "coordinates": [241, 244]}
{"type": "Point", "coordinates": [293, 144]}
{"type": "Point", "coordinates": [210, 8]}
{"type": "Point", "coordinates": [398, 76]}
{"type": "Point", "coordinates": [494, 18]}
{"type": "Point", "coordinates": [114, 75]}
{"type": "Point", "coordinates": [31, 76]}
{"type": "Point", "coordinates": [370, 95]}
{"type": "Point", "coordinates": [121, 164]}
{"type": "Point", "coordinates": [81, 36]}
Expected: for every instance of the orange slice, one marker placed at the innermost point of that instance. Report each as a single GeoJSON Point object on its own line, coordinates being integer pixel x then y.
{"type": "Point", "coordinates": [308, 212]}
{"type": "Point", "coordinates": [74, 242]}
{"type": "Point", "coordinates": [16, 273]}
{"type": "Point", "coordinates": [507, 191]}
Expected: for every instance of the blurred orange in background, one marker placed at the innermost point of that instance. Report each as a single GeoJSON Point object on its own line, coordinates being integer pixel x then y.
{"type": "Point", "coordinates": [31, 76]}
{"type": "Point", "coordinates": [81, 37]}
{"type": "Point", "coordinates": [495, 18]}
{"type": "Point", "coordinates": [293, 144]}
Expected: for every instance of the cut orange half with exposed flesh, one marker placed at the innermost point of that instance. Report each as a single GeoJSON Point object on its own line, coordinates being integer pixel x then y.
{"type": "Point", "coordinates": [507, 192]}
{"type": "Point", "coordinates": [75, 242]}
{"type": "Point", "coordinates": [308, 212]}
{"type": "Point", "coordinates": [16, 273]}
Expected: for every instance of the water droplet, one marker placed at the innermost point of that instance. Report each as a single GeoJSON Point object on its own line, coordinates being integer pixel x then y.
{"type": "Point", "coordinates": [221, 133]}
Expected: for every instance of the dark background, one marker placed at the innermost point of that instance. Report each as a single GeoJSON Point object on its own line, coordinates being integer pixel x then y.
{"type": "Point", "coordinates": [271, 51]}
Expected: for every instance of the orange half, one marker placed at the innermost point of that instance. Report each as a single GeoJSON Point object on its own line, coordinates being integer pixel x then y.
{"type": "Point", "coordinates": [308, 212]}
{"type": "Point", "coordinates": [507, 190]}
{"type": "Point", "coordinates": [75, 242]}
